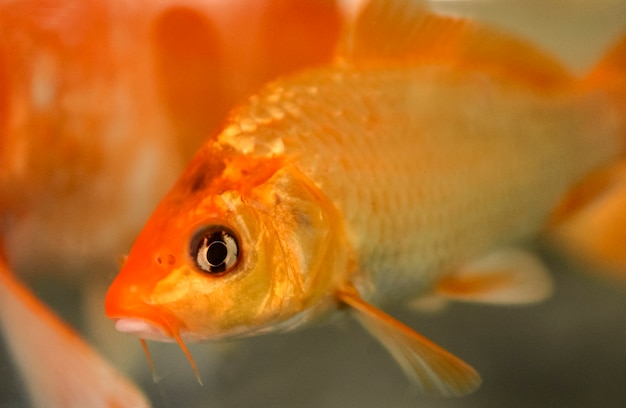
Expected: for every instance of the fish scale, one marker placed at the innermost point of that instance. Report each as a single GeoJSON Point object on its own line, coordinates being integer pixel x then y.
{"type": "Point", "coordinates": [425, 167]}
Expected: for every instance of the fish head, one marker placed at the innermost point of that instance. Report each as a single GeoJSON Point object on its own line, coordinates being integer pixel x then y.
{"type": "Point", "coordinates": [236, 259]}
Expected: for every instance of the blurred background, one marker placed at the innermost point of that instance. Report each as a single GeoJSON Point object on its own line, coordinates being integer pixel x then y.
{"type": "Point", "coordinates": [569, 351]}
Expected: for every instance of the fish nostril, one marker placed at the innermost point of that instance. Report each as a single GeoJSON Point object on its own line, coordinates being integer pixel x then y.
{"type": "Point", "coordinates": [165, 259]}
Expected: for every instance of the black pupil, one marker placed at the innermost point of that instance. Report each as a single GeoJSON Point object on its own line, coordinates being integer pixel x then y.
{"type": "Point", "coordinates": [216, 253]}
{"type": "Point", "coordinates": [214, 249]}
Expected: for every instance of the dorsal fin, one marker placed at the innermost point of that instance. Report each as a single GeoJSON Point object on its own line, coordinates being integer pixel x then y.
{"type": "Point", "coordinates": [401, 31]}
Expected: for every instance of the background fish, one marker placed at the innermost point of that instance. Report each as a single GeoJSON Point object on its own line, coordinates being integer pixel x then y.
{"type": "Point", "coordinates": [101, 104]}
{"type": "Point", "coordinates": [420, 162]}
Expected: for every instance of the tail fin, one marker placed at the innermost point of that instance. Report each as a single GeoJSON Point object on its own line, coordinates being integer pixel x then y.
{"type": "Point", "coordinates": [591, 222]}
{"type": "Point", "coordinates": [58, 367]}
{"type": "Point", "coordinates": [612, 67]}
{"type": "Point", "coordinates": [610, 74]}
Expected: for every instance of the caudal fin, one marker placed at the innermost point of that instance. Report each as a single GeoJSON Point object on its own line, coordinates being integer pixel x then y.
{"type": "Point", "coordinates": [610, 74]}
{"type": "Point", "coordinates": [59, 369]}
{"type": "Point", "coordinates": [591, 221]}
{"type": "Point", "coordinates": [612, 67]}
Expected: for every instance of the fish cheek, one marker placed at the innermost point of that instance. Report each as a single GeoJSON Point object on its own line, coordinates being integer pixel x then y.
{"type": "Point", "coordinates": [212, 306]}
{"type": "Point", "coordinates": [186, 294]}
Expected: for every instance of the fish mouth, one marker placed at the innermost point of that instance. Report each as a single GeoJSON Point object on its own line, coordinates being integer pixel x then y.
{"type": "Point", "coordinates": [142, 329]}
{"type": "Point", "coordinates": [146, 330]}
{"type": "Point", "coordinates": [129, 307]}
{"type": "Point", "coordinates": [150, 322]}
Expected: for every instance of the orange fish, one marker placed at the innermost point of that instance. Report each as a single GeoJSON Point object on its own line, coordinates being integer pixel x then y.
{"type": "Point", "coordinates": [101, 104]}
{"type": "Point", "coordinates": [420, 162]}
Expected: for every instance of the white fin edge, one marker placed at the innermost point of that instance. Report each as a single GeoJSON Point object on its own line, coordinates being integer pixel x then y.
{"type": "Point", "coordinates": [508, 277]}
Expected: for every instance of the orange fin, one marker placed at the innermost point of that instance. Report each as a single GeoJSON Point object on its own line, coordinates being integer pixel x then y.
{"type": "Point", "coordinates": [388, 30]}
{"type": "Point", "coordinates": [591, 222]}
{"type": "Point", "coordinates": [60, 370]}
{"type": "Point", "coordinates": [610, 74]}
{"type": "Point", "coordinates": [508, 276]}
{"type": "Point", "coordinates": [596, 232]}
{"type": "Point", "coordinates": [433, 369]}
{"type": "Point", "coordinates": [594, 187]}
{"type": "Point", "coordinates": [429, 303]}
{"type": "Point", "coordinates": [613, 66]}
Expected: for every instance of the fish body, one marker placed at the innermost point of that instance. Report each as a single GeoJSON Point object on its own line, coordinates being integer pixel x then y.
{"type": "Point", "coordinates": [423, 165]}
{"type": "Point", "coordinates": [419, 162]}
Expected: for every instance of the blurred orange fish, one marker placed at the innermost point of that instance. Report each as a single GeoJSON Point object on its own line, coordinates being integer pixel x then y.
{"type": "Point", "coordinates": [101, 104]}
{"type": "Point", "coordinates": [420, 162]}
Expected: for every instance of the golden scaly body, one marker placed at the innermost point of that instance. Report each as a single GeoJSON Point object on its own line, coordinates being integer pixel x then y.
{"type": "Point", "coordinates": [429, 168]}
{"type": "Point", "coordinates": [432, 146]}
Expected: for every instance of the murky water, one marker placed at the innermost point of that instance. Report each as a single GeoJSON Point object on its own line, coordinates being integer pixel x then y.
{"type": "Point", "coordinates": [567, 352]}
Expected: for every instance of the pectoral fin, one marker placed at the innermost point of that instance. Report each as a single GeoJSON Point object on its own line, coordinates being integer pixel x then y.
{"type": "Point", "coordinates": [433, 369]}
{"type": "Point", "coordinates": [509, 276]}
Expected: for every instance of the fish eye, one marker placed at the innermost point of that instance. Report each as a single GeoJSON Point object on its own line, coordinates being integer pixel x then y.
{"type": "Point", "coordinates": [214, 249]}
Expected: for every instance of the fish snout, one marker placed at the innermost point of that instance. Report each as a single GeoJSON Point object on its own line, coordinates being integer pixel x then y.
{"type": "Point", "coordinates": [132, 314]}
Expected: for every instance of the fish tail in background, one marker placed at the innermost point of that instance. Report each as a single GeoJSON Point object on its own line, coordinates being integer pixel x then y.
{"type": "Point", "coordinates": [204, 68]}
{"type": "Point", "coordinates": [591, 221]}
{"type": "Point", "coordinates": [611, 69]}
{"type": "Point", "coordinates": [59, 368]}
{"type": "Point", "coordinates": [610, 74]}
